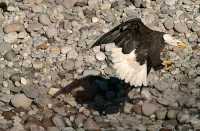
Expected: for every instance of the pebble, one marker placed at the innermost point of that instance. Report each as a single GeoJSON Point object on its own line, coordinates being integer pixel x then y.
{"type": "Point", "coordinates": [69, 3]}
{"type": "Point", "coordinates": [68, 65]}
{"type": "Point", "coordinates": [23, 81]}
{"type": "Point", "coordinates": [53, 91]}
{"type": "Point", "coordinates": [100, 56]}
{"type": "Point", "coordinates": [53, 128]}
{"type": "Point", "coordinates": [170, 2]}
{"type": "Point", "coordinates": [128, 107]}
{"type": "Point", "coordinates": [90, 72]}
{"type": "Point", "coordinates": [44, 19]}
{"type": "Point", "coordinates": [149, 109]}
{"type": "Point", "coordinates": [51, 31]}
{"type": "Point", "coordinates": [161, 114]}
{"type": "Point", "coordinates": [90, 125]}
{"type": "Point", "coordinates": [171, 114]}
{"type": "Point", "coordinates": [180, 27]}
{"type": "Point", "coordinates": [10, 37]}
{"type": "Point", "coordinates": [138, 3]}
{"type": "Point", "coordinates": [14, 27]}
{"type": "Point", "coordinates": [20, 100]}
{"type": "Point", "coordinates": [169, 24]}
{"type": "Point", "coordinates": [183, 117]}
{"type": "Point", "coordinates": [10, 55]}
{"type": "Point", "coordinates": [58, 121]}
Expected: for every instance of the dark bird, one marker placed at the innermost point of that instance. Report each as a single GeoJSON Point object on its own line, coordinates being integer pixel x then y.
{"type": "Point", "coordinates": [137, 50]}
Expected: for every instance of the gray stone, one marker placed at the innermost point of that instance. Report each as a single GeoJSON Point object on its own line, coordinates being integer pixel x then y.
{"type": "Point", "coordinates": [68, 129]}
{"type": "Point", "coordinates": [128, 107]}
{"type": "Point", "coordinates": [44, 19]}
{"type": "Point", "coordinates": [34, 26]}
{"type": "Point", "coordinates": [5, 98]}
{"type": "Point", "coordinates": [148, 108]}
{"type": "Point", "coordinates": [169, 24]}
{"type": "Point", "coordinates": [31, 92]}
{"type": "Point", "coordinates": [100, 56]}
{"type": "Point", "coordinates": [183, 117]}
{"type": "Point", "coordinates": [138, 3]}
{"type": "Point", "coordinates": [58, 121]}
{"type": "Point", "coordinates": [90, 125]}
{"type": "Point", "coordinates": [51, 31]}
{"type": "Point", "coordinates": [69, 3]}
{"type": "Point", "coordinates": [79, 120]}
{"type": "Point", "coordinates": [180, 27]}
{"type": "Point", "coordinates": [10, 37]}
{"type": "Point", "coordinates": [170, 2]}
{"type": "Point", "coordinates": [90, 72]}
{"type": "Point", "coordinates": [68, 65]}
{"type": "Point", "coordinates": [72, 54]}
{"type": "Point", "coordinates": [53, 128]}
{"type": "Point", "coordinates": [20, 100]}
{"type": "Point", "coordinates": [161, 114]}
{"type": "Point", "coordinates": [10, 55]}
{"type": "Point", "coordinates": [195, 27]}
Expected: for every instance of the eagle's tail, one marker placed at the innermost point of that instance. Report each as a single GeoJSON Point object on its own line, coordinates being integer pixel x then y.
{"type": "Point", "coordinates": [116, 32]}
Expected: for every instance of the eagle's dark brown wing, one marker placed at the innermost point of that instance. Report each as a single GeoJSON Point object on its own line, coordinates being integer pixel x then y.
{"type": "Point", "coordinates": [134, 35]}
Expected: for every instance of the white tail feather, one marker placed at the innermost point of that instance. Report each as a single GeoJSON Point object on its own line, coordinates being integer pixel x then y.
{"type": "Point", "coordinates": [128, 69]}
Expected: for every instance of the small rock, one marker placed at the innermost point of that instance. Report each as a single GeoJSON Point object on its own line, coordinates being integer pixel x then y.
{"type": "Point", "coordinates": [68, 65]}
{"type": "Point", "coordinates": [40, 42]}
{"type": "Point", "coordinates": [161, 114]}
{"type": "Point", "coordinates": [169, 24]}
{"type": "Point", "coordinates": [128, 107]}
{"type": "Point", "coordinates": [180, 27]}
{"type": "Point", "coordinates": [195, 27]}
{"type": "Point", "coordinates": [44, 19]}
{"type": "Point", "coordinates": [10, 55]}
{"type": "Point", "coordinates": [10, 37]}
{"type": "Point", "coordinates": [79, 120]}
{"type": "Point", "coordinates": [37, 65]}
{"type": "Point", "coordinates": [148, 108]}
{"type": "Point", "coordinates": [23, 81]}
{"type": "Point", "coordinates": [14, 27]}
{"type": "Point", "coordinates": [95, 19]}
{"type": "Point", "coordinates": [138, 3]}
{"type": "Point", "coordinates": [51, 31]}
{"type": "Point", "coordinates": [183, 117]}
{"type": "Point", "coordinates": [20, 100]}
{"type": "Point", "coordinates": [65, 49]}
{"type": "Point", "coordinates": [31, 92]}
{"type": "Point", "coordinates": [69, 3]}
{"type": "Point", "coordinates": [100, 56]}
{"type": "Point", "coordinates": [52, 129]}
{"type": "Point", "coordinates": [90, 125]}
{"type": "Point", "coordinates": [58, 121]}
{"type": "Point", "coordinates": [170, 2]}
{"type": "Point", "coordinates": [68, 129]}
{"type": "Point", "coordinates": [90, 72]}
{"type": "Point", "coordinates": [171, 114]}
{"type": "Point", "coordinates": [72, 54]}
{"type": "Point", "coordinates": [53, 91]}
{"type": "Point", "coordinates": [34, 26]}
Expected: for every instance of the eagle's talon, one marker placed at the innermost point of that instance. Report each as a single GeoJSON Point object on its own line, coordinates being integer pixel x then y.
{"type": "Point", "coordinates": [181, 45]}
{"type": "Point", "coordinates": [167, 64]}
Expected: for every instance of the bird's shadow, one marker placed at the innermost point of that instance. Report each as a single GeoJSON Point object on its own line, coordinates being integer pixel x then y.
{"type": "Point", "coordinates": [105, 95]}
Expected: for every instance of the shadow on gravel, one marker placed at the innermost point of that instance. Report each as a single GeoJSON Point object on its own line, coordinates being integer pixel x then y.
{"type": "Point", "coordinates": [106, 95]}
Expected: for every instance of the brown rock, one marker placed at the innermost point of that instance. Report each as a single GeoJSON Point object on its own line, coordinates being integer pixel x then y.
{"type": "Point", "coordinates": [14, 27]}
{"type": "Point", "coordinates": [91, 125]}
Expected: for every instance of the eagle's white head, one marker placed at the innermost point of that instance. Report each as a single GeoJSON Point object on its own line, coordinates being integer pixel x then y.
{"type": "Point", "coordinates": [173, 41]}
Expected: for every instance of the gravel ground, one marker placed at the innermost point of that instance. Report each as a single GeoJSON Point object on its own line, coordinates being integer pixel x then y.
{"type": "Point", "coordinates": [44, 47]}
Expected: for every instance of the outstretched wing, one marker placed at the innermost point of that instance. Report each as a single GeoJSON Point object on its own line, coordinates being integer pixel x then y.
{"type": "Point", "coordinates": [127, 35]}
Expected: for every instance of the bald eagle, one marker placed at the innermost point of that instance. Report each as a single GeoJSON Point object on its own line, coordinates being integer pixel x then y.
{"type": "Point", "coordinates": [137, 50]}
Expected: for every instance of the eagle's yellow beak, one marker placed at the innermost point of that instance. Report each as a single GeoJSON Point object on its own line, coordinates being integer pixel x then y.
{"type": "Point", "coordinates": [181, 45]}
